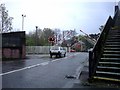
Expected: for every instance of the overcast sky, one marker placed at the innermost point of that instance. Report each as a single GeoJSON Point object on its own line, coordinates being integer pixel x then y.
{"type": "Point", "coordinates": [62, 14]}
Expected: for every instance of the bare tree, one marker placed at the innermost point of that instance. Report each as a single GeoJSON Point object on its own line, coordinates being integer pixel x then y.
{"type": "Point", "coordinates": [57, 35]}
{"type": "Point", "coordinates": [6, 21]}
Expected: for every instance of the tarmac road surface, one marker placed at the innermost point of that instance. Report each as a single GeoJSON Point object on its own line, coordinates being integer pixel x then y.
{"type": "Point", "coordinates": [43, 72]}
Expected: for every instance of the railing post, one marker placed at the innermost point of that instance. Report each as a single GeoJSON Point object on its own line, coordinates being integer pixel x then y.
{"type": "Point", "coordinates": [90, 64]}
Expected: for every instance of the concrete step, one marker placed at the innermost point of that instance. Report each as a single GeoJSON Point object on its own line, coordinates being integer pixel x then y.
{"type": "Point", "coordinates": [111, 48]}
{"type": "Point", "coordinates": [117, 60]}
{"type": "Point", "coordinates": [109, 73]}
{"type": "Point", "coordinates": [114, 31]}
{"type": "Point", "coordinates": [114, 37]}
{"type": "Point", "coordinates": [112, 43]}
{"type": "Point", "coordinates": [116, 63]}
{"type": "Point", "coordinates": [108, 69]}
{"type": "Point", "coordinates": [106, 78]}
{"type": "Point", "coordinates": [109, 64]}
{"type": "Point", "coordinates": [113, 40]}
{"type": "Point", "coordinates": [117, 34]}
{"type": "Point", "coordinates": [103, 67]}
{"type": "Point", "coordinates": [112, 51]}
{"type": "Point", "coordinates": [110, 59]}
{"type": "Point", "coordinates": [111, 55]}
{"type": "Point", "coordinates": [114, 34]}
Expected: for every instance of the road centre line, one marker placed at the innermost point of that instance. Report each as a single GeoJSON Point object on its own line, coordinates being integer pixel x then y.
{"type": "Point", "coordinates": [32, 66]}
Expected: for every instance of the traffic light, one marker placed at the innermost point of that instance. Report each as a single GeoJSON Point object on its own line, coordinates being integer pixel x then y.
{"type": "Point", "coordinates": [51, 39]}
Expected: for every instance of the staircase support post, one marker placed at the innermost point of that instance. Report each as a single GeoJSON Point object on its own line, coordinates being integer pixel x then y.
{"type": "Point", "coordinates": [90, 64]}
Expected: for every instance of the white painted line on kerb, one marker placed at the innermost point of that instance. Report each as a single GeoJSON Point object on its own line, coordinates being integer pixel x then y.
{"type": "Point", "coordinates": [32, 66]}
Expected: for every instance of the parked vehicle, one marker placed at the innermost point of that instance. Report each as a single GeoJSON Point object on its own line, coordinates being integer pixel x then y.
{"type": "Point", "coordinates": [58, 51]}
{"type": "Point", "coordinates": [72, 50]}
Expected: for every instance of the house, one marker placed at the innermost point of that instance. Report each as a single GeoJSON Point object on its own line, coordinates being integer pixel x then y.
{"type": "Point", "coordinates": [79, 46]}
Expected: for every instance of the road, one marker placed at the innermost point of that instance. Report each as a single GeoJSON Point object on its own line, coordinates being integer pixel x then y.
{"type": "Point", "coordinates": [42, 72]}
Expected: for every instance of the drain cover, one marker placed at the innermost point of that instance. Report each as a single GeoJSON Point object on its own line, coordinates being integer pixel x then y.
{"type": "Point", "coordinates": [70, 77]}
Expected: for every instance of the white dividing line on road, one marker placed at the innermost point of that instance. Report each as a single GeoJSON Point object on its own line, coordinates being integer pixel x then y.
{"type": "Point", "coordinates": [32, 66]}
{"type": "Point", "coordinates": [45, 63]}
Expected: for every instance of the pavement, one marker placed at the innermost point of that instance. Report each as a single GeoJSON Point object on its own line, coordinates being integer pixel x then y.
{"type": "Point", "coordinates": [83, 81]}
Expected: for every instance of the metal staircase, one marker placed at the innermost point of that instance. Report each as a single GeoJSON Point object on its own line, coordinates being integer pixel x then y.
{"type": "Point", "coordinates": [108, 67]}
{"type": "Point", "coordinates": [104, 59]}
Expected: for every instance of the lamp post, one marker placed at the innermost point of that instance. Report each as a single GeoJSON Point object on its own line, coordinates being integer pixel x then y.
{"type": "Point", "coordinates": [23, 21]}
{"type": "Point", "coordinates": [36, 36]}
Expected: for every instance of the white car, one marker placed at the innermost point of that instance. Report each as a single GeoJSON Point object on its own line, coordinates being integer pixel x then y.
{"type": "Point", "coordinates": [58, 51]}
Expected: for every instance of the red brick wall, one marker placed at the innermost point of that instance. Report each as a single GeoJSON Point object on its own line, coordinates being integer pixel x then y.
{"type": "Point", "coordinates": [13, 53]}
{"type": "Point", "coordinates": [6, 53]}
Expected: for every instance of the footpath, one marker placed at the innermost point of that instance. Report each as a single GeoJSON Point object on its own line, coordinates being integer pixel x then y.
{"type": "Point", "coordinates": [83, 81]}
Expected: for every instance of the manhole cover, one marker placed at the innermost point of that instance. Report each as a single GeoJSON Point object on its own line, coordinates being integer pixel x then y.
{"type": "Point", "coordinates": [70, 77]}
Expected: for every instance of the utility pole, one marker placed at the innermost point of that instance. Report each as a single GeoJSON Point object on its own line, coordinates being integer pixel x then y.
{"type": "Point", "coordinates": [36, 36]}
{"type": "Point", "coordinates": [23, 16]}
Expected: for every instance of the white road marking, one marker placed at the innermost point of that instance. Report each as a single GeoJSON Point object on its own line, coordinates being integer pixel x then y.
{"type": "Point", "coordinates": [13, 71]}
{"type": "Point", "coordinates": [32, 66]}
{"type": "Point", "coordinates": [45, 63]}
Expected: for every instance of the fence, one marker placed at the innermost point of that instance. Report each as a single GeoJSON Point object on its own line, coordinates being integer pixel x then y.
{"type": "Point", "coordinates": [38, 49]}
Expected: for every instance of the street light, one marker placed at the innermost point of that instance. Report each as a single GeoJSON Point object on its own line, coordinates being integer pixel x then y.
{"type": "Point", "coordinates": [36, 40]}
{"type": "Point", "coordinates": [23, 21]}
